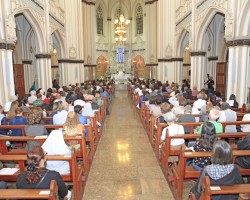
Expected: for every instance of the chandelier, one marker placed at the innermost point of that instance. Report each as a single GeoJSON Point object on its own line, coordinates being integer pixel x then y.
{"type": "Point", "coordinates": [120, 29]}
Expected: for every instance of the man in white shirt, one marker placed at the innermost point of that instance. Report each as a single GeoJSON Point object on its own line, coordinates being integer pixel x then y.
{"type": "Point", "coordinates": [61, 116]}
{"type": "Point", "coordinates": [8, 104]}
{"type": "Point", "coordinates": [201, 100]}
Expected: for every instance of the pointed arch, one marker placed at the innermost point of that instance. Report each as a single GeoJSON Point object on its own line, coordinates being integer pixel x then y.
{"type": "Point", "coordinates": [243, 28]}
{"type": "Point", "coordinates": [35, 24]}
{"type": "Point", "coordinates": [203, 26]}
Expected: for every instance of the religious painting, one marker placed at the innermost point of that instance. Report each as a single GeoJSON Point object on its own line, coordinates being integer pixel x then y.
{"type": "Point", "coordinates": [139, 67]}
{"type": "Point", "coordinates": [101, 67]}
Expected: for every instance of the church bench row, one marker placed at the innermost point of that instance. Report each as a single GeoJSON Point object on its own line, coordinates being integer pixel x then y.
{"type": "Point", "coordinates": [166, 151]}
{"type": "Point", "coordinates": [191, 125]}
{"type": "Point", "coordinates": [90, 138]}
{"type": "Point", "coordinates": [207, 190]}
{"type": "Point", "coordinates": [75, 177]}
{"type": "Point", "coordinates": [182, 172]}
{"type": "Point", "coordinates": [50, 194]}
{"type": "Point", "coordinates": [82, 154]}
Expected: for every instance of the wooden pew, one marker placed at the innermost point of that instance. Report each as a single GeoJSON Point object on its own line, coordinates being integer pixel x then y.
{"type": "Point", "coordinates": [182, 172]}
{"type": "Point", "coordinates": [166, 151]}
{"type": "Point", "coordinates": [89, 139]}
{"type": "Point", "coordinates": [50, 194]}
{"type": "Point", "coordinates": [208, 191]}
{"type": "Point", "coordinates": [83, 152]}
{"type": "Point", "coordinates": [75, 176]}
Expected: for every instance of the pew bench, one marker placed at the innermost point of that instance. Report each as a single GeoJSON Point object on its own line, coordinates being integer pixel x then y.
{"type": "Point", "coordinates": [74, 178]}
{"type": "Point", "coordinates": [208, 191]}
{"type": "Point", "coordinates": [166, 151]}
{"type": "Point", "coordinates": [90, 138]}
{"type": "Point", "coordinates": [181, 172]}
{"type": "Point", "coordinates": [82, 154]}
{"type": "Point", "coordinates": [50, 194]}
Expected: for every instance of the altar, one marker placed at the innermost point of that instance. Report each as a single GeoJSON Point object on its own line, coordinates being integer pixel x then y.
{"type": "Point", "coordinates": [121, 77]}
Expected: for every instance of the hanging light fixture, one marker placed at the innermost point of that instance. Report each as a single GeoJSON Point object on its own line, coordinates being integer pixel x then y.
{"type": "Point", "coordinates": [121, 25]}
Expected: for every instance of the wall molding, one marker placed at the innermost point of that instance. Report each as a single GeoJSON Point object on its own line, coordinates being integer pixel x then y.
{"type": "Point", "coordinates": [27, 62]}
{"type": "Point", "coordinates": [198, 53]}
{"type": "Point", "coordinates": [186, 64]}
{"type": "Point", "coordinates": [70, 61]}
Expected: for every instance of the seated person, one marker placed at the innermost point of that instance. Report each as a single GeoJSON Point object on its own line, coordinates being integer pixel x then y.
{"type": "Point", "coordinates": [214, 114]}
{"type": "Point", "coordinates": [222, 171]}
{"type": "Point", "coordinates": [34, 128]}
{"type": "Point", "coordinates": [55, 145]}
{"type": "Point", "coordinates": [205, 143]}
{"type": "Point", "coordinates": [187, 117]}
{"type": "Point", "coordinates": [73, 127]}
{"type": "Point", "coordinates": [38, 176]}
{"type": "Point", "coordinates": [246, 127]}
{"type": "Point", "coordinates": [172, 129]}
{"type": "Point", "coordinates": [244, 161]}
{"type": "Point", "coordinates": [18, 120]}
{"type": "Point", "coordinates": [228, 115]}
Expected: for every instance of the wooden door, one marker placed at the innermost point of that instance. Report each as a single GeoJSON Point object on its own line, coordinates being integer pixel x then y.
{"type": "Point", "coordinates": [19, 80]}
{"type": "Point", "coordinates": [221, 74]}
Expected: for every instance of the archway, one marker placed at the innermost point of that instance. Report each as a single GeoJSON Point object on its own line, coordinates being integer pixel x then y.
{"type": "Point", "coordinates": [101, 67]}
{"type": "Point", "coordinates": [139, 67]}
{"type": "Point", "coordinates": [56, 53]}
{"type": "Point", "coordinates": [25, 71]}
{"type": "Point", "coordinates": [210, 39]}
{"type": "Point", "coordinates": [185, 54]}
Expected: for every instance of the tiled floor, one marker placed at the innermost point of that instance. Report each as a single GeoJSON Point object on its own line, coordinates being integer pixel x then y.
{"type": "Point", "coordinates": [125, 166]}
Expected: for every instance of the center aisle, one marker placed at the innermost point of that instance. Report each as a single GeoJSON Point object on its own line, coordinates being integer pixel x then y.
{"type": "Point", "coordinates": [125, 166]}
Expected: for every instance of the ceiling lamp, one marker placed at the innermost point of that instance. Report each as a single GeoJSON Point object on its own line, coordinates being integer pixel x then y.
{"type": "Point", "coordinates": [121, 29]}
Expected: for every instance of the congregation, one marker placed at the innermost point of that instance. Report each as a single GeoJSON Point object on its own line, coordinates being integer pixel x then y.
{"type": "Point", "coordinates": [76, 112]}
{"type": "Point", "coordinates": [172, 113]}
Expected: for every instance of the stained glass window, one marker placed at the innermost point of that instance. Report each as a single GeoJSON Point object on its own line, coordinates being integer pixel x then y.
{"type": "Point", "coordinates": [139, 19]}
{"type": "Point", "coordinates": [99, 20]}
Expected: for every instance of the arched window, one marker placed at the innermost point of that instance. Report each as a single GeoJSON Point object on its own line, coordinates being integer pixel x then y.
{"type": "Point", "coordinates": [99, 20]}
{"type": "Point", "coordinates": [139, 19]}
{"type": "Point", "coordinates": [119, 12]}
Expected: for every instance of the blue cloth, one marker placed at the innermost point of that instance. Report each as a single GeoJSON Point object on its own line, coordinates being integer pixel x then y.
{"type": "Point", "coordinates": [84, 120]}
{"type": "Point", "coordinates": [52, 115]}
{"type": "Point", "coordinates": [18, 120]}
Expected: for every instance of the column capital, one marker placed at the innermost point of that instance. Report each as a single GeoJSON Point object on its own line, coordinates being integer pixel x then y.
{"type": "Point", "coordinates": [89, 2]}
{"type": "Point", "coordinates": [27, 62]}
{"type": "Point", "coordinates": [6, 45]}
{"type": "Point", "coordinates": [212, 58]}
{"type": "Point", "coordinates": [198, 53]}
{"type": "Point", "coordinates": [70, 61]}
{"type": "Point", "coordinates": [238, 42]}
{"type": "Point", "coordinates": [150, 1]}
{"type": "Point", "coordinates": [43, 56]}
{"type": "Point", "coordinates": [90, 65]}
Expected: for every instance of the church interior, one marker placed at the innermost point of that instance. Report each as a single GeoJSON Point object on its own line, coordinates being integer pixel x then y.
{"type": "Point", "coordinates": [123, 56]}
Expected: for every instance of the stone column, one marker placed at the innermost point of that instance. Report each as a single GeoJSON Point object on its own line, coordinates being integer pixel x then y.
{"type": "Point", "coordinates": [178, 65]}
{"type": "Point", "coordinates": [166, 39]}
{"type": "Point", "coordinates": [198, 61]}
{"type": "Point", "coordinates": [7, 85]}
{"type": "Point", "coordinates": [43, 65]}
{"type": "Point", "coordinates": [238, 69]}
{"type": "Point", "coordinates": [28, 74]}
{"type": "Point", "coordinates": [151, 34]}
{"type": "Point", "coordinates": [89, 33]}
